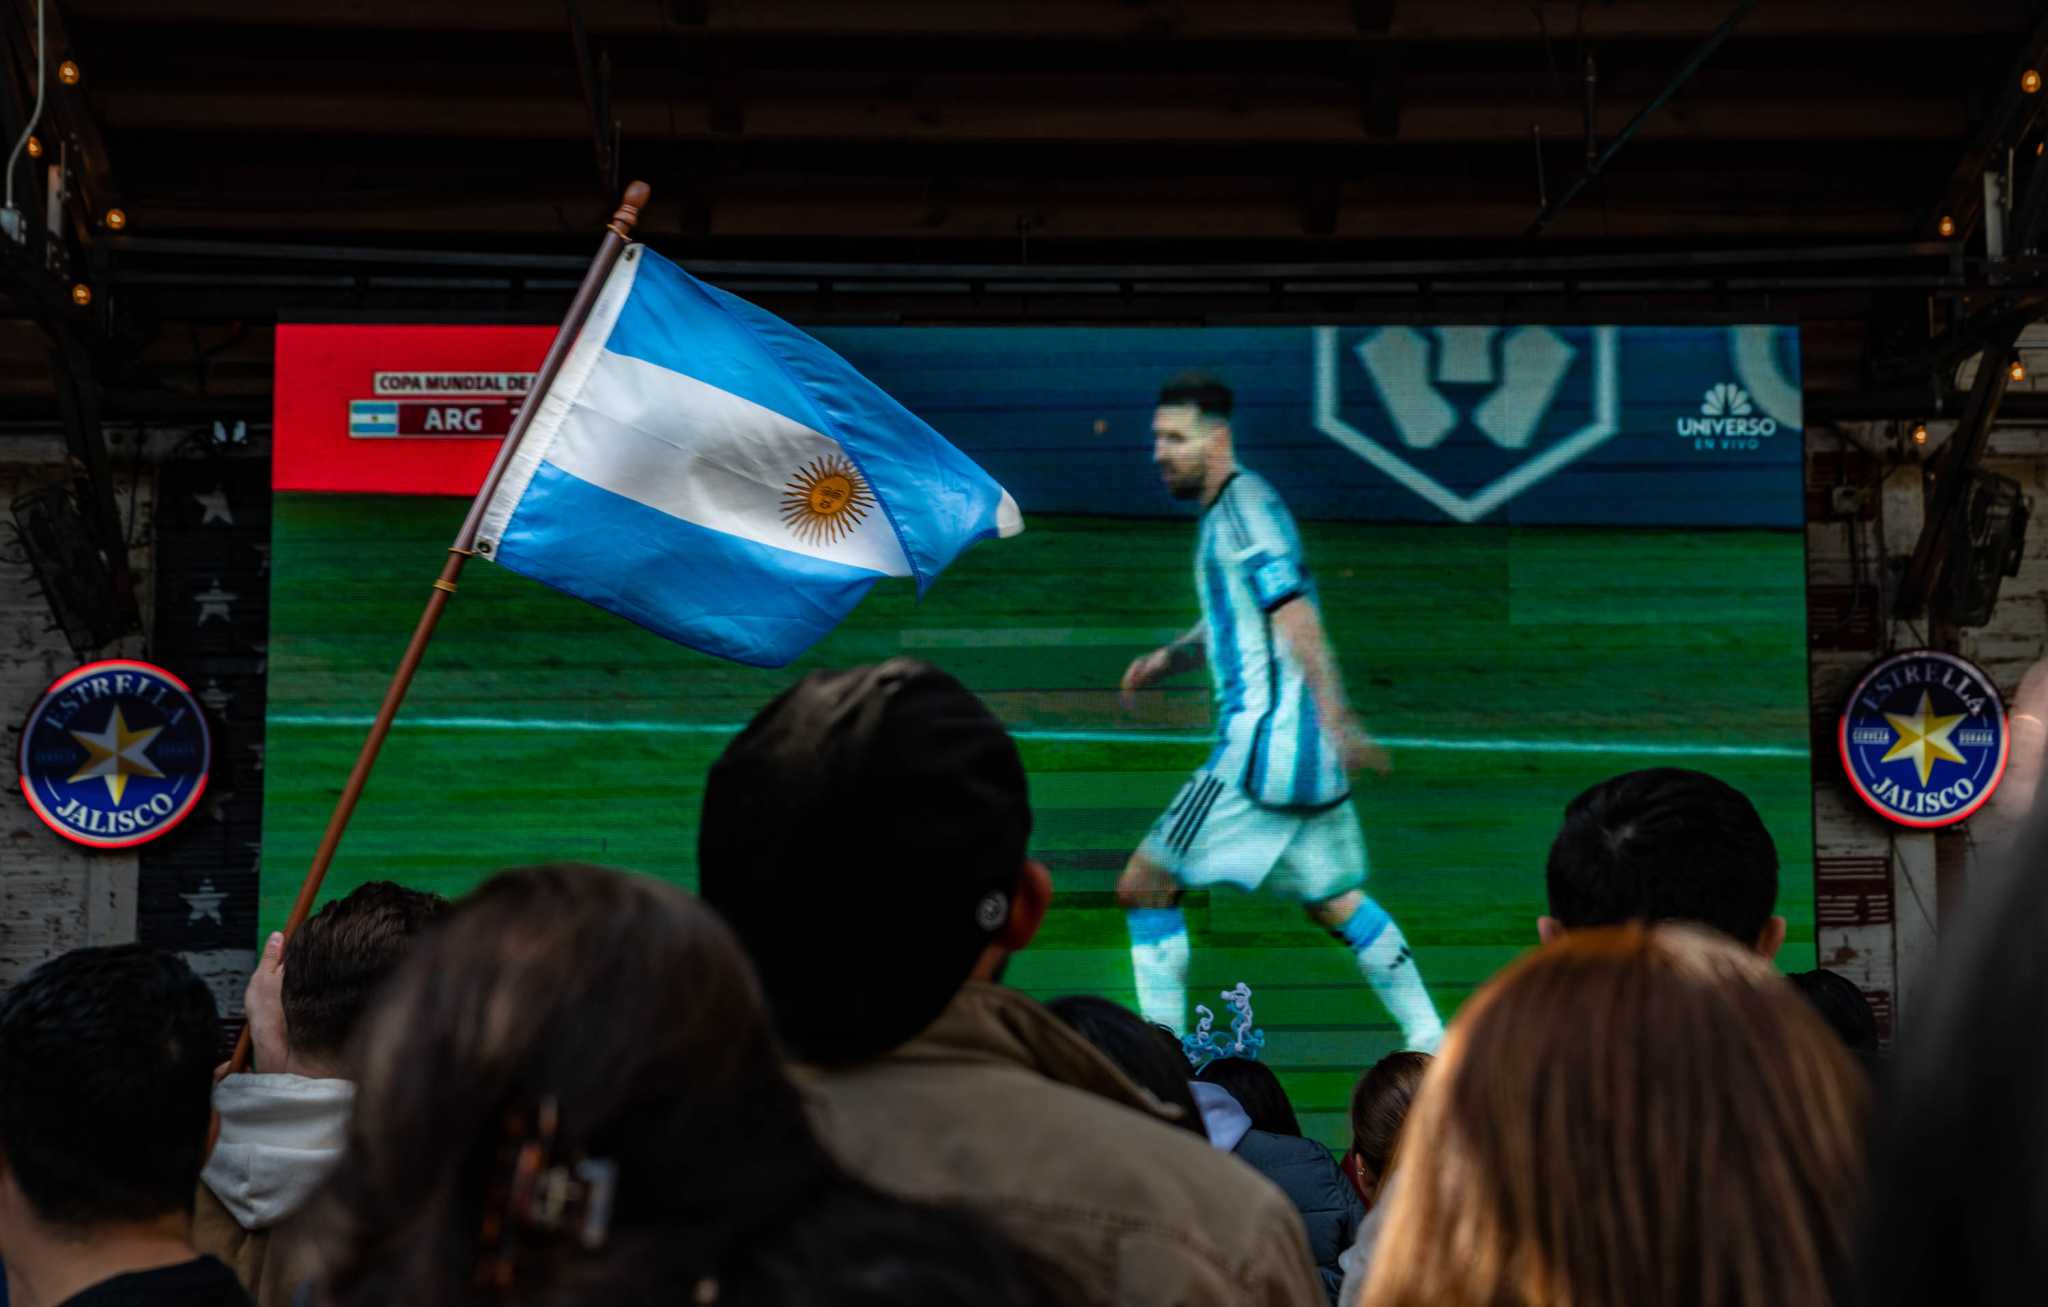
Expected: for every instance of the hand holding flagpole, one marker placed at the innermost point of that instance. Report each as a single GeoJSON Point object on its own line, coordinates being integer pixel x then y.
{"type": "Point", "coordinates": [618, 232]}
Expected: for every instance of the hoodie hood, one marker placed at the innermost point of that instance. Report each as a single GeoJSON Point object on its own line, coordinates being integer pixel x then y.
{"type": "Point", "coordinates": [279, 1137]}
{"type": "Point", "coordinates": [1226, 1121]}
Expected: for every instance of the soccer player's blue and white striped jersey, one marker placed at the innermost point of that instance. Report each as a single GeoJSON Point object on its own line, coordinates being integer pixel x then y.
{"type": "Point", "coordinates": [1248, 562]}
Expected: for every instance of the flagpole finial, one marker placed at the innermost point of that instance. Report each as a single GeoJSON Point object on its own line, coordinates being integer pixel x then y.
{"type": "Point", "coordinates": [637, 195]}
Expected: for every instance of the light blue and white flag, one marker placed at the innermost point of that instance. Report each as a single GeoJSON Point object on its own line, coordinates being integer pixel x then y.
{"type": "Point", "coordinates": [708, 471]}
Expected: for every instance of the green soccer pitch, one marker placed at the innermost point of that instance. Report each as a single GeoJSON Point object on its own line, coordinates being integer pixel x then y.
{"type": "Point", "coordinates": [1508, 668]}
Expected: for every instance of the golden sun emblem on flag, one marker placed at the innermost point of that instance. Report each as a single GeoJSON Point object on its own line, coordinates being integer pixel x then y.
{"type": "Point", "coordinates": [826, 500]}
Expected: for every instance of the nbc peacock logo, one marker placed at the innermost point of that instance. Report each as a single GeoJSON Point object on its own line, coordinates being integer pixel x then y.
{"type": "Point", "coordinates": [1727, 421]}
{"type": "Point", "coordinates": [1725, 400]}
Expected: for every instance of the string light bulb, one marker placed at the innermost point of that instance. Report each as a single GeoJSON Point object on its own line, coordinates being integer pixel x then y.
{"type": "Point", "coordinates": [1947, 227]}
{"type": "Point", "coordinates": [2018, 371]}
{"type": "Point", "coordinates": [67, 72]}
{"type": "Point", "coordinates": [116, 219]}
{"type": "Point", "coordinates": [81, 294]}
{"type": "Point", "coordinates": [2030, 81]}
{"type": "Point", "coordinates": [35, 147]}
{"type": "Point", "coordinates": [1919, 433]}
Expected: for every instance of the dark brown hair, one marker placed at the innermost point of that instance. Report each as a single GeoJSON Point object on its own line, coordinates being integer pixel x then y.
{"type": "Point", "coordinates": [1379, 1105]}
{"type": "Point", "coordinates": [334, 963]}
{"type": "Point", "coordinates": [1643, 1116]}
{"type": "Point", "coordinates": [629, 1006]}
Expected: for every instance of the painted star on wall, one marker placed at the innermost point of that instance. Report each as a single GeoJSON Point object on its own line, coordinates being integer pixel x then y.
{"type": "Point", "coordinates": [114, 754]}
{"type": "Point", "coordinates": [216, 602]}
{"type": "Point", "coordinates": [205, 903]}
{"type": "Point", "coordinates": [217, 507]}
{"type": "Point", "coordinates": [1923, 737]}
{"type": "Point", "coordinates": [216, 698]}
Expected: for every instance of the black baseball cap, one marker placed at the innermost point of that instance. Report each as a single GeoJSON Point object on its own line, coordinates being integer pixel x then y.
{"type": "Point", "coordinates": [863, 835]}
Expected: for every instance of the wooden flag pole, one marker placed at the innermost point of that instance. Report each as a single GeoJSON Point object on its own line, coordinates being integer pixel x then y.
{"type": "Point", "coordinates": [617, 233]}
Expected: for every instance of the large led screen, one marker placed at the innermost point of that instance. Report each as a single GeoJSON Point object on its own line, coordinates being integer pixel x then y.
{"type": "Point", "coordinates": [1542, 555]}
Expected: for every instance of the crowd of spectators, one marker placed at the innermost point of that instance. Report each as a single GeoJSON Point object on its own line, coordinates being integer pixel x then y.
{"type": "Point", "coordinates": [808, 1084]}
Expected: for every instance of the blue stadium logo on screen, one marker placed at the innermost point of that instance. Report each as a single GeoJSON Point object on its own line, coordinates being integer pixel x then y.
{"type": "Point", "coordinates": [1924, 738]}
{"type": "Point", "coordinates": [1468, 417]}
{"type": "Point", "coordinates": [115, 754]}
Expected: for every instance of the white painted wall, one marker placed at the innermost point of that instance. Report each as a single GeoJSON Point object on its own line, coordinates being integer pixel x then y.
{"type": "Point", "coordinates": [54, 895]}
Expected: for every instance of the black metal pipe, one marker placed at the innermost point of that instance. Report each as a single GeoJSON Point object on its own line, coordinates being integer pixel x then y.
{"type": "Point", "coordinates": [1692, 65]}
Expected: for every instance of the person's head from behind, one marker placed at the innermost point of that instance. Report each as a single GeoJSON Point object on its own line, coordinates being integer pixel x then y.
{"type": "Point", "coordinates": [616, 1004]}
{"type": "Point", "coordinates": [1257, 1090]}
{"type": "Point", "coordinates": [1631, 1115]}
{"type": "Point", "coordinates": [1191, 433]}
{"type": "Point", "coordinates": [1842, 1006]}
{"type": "Point", "coordinates": [865, 836]}
{"type": "Point", "coordinates": [106, 1083]}
{"type": "Point", "coordinates": [1379, 1107]}
{"type": "Point", "coordinates": [1664, 844]}
{"type": "Point", "coordinates": [1141, 1050]}
{"type": "Point", "coordinates": [334, 963]}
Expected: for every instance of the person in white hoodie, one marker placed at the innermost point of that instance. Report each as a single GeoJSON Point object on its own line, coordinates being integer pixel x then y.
{"type": "Point", "coordinates": [282, 1124]}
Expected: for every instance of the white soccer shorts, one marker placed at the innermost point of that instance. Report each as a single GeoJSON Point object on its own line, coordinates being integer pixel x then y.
{"type": "Point", "coordinates": [1213, 834]}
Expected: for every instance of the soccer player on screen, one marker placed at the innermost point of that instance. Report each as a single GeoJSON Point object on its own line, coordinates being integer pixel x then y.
{"type": "Point", "coordinates": [1271, 806]}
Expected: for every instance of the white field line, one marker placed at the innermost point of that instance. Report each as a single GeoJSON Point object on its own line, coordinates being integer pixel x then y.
{"type": "Point", "coordinates": [1621, 748]}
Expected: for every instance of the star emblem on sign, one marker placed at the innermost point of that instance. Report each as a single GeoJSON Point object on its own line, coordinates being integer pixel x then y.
{"type": "Point", "coordinates": [115, 753]}
{"type": "Point", "coordinates": [1923, 737]}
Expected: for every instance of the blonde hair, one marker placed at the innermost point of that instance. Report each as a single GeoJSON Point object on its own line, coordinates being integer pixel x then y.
{"type": "Point", "coordinates": [1648, 1116]}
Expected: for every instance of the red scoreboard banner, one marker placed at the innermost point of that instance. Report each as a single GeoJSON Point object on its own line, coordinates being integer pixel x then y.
{"type": "Point", "coordinates": [414, 410]}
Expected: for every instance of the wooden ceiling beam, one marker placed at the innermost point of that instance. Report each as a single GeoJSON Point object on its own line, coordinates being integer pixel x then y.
{"type": "Point", "coordinates": [1468, 20]}
{"type": "Point", "coordinates": [1125, 112]}
{"type": "Point", "coordinates": [799, 213]}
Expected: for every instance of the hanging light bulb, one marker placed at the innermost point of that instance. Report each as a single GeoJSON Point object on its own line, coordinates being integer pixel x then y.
{"type": "Point", "coordinates": [81, 294]}
{"type": "Point", "coordinates": [1947, 227]}
{"type": "Point", "coordinates": [67, 72]}
{"type": "Point", "coordinates": [2030, 81]}
{"type": "Point", "coordinates": [35, 147]}
{"type": "Point", "coordinates": [1919, 433]}
{"type": "Point", "coordinates": [116, 219]}
{"type": "Point", "coordinates": [2018, 371]}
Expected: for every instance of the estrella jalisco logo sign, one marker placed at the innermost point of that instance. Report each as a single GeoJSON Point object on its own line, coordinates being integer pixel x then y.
{"type": "Point", "coordinates": [115, 754]}
{"type": "Point", "coordinates": [1924, 738]}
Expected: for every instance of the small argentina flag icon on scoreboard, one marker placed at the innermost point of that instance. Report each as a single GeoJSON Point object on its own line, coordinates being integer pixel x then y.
{"type": "Point", "coordinates": [373, 417]}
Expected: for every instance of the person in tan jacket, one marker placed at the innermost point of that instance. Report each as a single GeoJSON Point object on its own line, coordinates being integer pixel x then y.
{"type": "Point", "coordinates": [865, 836]}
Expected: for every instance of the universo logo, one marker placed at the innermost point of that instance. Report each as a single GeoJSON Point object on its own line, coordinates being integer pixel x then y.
{"type": "Point", "coordinates": [1726, 421]}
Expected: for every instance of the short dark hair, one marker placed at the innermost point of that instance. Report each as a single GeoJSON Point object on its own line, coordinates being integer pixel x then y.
{"type": "Point", "coordinates": [1205, 392]}
{"type": "Point", "coordinates": [106, 1084]}
{"type": "Point", "coordinates": [334, 963]}
{"type": "Point", "coordinates": [1664, 844]}
{"type": "Point", "coordinates": [1257, 1090]}
{"type": "Point", "coordinates": [1137, 1048]}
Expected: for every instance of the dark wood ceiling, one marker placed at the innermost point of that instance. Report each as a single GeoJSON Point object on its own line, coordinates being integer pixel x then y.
{"type": "Point", "coordinates": [1192, 129]}
{"type": "Point", "coordinates": [984, 160]}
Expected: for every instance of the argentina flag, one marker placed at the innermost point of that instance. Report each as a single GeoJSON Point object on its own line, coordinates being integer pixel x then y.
{"type": "Point", "coordinates": [708, 471]}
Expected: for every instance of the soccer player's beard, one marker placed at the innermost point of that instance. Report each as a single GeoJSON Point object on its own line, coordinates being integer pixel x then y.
{"type": "Point", "coordinates": [1185, 485]}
